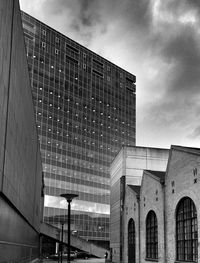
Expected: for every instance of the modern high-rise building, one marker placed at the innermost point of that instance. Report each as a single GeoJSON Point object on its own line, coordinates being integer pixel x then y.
{"type": "Point", "coordinates": [85, 112]}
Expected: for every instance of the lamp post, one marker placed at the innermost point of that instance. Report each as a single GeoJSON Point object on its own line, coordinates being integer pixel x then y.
{"type": "Point", "coordinates": [61, 250]}
{"type": "Point", "coordinates": [69, 198]}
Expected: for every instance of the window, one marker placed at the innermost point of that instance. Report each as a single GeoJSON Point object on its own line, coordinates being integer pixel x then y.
{"type": "Point", "coordinates": [57, 39]}
{"type": "Point", "coordinates": [56, 51]}
{"type": "Point", "coordinates": [44, 32]}
{"type": "Point", "coordinates": [151, 236]}
{"type": "Point", "coordinates": [67, 46]}
{"type": "Point", "coordinates": [98, 63]}
{"type": "Point", "coordinates": [43, 44]}
{"type": "Point", "coordinates": [186, 231]}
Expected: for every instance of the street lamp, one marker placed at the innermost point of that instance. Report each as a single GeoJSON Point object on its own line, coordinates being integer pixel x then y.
{"type": "Point", "coordinates": [61, 250]}
{"type": "Point", "coordinates": [69, 198]}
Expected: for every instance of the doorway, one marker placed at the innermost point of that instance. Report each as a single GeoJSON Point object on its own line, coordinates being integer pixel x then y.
{"type": "Point", "coordinates": [131, 241]}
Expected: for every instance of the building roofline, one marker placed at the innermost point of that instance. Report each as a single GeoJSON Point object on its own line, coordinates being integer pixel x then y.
{"type": "Point", "coordinates": [123, 148]}
{"type": "Point", "coordinates": [143, 147]}
{"type": "Point", "coordinates": [160, 175]}
{"type": "Point", "coordinates": [186, 149]}
{"type": "Point", "coordinates": [135, 188]}
{"type": "Point", "coordinates": [89, 50]}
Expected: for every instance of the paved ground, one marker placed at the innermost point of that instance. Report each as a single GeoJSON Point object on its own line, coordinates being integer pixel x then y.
{"type": "Point", "coordinates": [90, 260]}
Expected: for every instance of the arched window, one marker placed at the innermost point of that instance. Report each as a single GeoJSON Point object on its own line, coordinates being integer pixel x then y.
{"type": "Point", "coordinates": [151, 236]}
{"type": "Point", "coordinates": [131, 241]}
{"type": "Point", "coordinates": [186, 231]}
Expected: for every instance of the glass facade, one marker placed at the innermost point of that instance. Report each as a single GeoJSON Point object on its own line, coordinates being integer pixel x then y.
{"type": "Point", "coordinates": [85, 112]}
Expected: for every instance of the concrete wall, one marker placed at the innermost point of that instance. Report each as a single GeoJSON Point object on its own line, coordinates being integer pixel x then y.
{"type": "Point", "coordinates": [115, 211]}
{"type": "Point", "coordinates": [76, 242]}
{"type": "Point", "coordinates": [20, 162]}
{"type": "Point", "coordinates": [5, 49]}
{"type": "Point", "coordinates": [116, 171]}
{"type": "Point", "coordinates": [151, 198]}
{"type": "Point", "coordinates": [117, 167]}
{"type": "Point", "coordinates": [138, 159]}
{"type": "Point", "coordinates": [179, 183]}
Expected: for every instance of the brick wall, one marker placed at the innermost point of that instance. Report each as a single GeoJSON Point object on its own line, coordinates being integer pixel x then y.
{"type": "Point", "coordinates": [182, 179]}
{"type": "Point", "coordinates": [151, 198]}
{"type": "Point", "coordinates": [180, 182]}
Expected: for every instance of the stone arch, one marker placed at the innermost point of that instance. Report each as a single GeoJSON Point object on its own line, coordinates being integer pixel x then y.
{"type": "Point", "coordinates": [186, 230]}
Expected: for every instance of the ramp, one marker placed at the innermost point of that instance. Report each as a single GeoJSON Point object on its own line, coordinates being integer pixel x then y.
{"type": "Point", "coordinates": [79, 243]}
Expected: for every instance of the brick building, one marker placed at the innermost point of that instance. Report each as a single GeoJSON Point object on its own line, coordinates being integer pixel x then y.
{"type": "Point", "coordinates": [127, 169]}
{"type": "Point", "coordinates": [160, 217]}
{"type": "Point", "coordinates": [152, 201]}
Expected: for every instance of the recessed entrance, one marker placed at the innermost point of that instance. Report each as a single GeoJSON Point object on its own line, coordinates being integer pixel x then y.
{"type": "Point", "coordinates": [131, 241]}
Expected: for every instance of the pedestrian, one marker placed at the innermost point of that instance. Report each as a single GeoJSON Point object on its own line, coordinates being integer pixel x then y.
{"type": "Point", "coordinates": [106, 256]}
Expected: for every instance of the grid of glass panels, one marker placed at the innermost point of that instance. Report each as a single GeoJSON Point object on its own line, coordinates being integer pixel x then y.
{"type": "Point", "coordinates": [85, 112]}
{"type": "Point", "coordinates": [186, 231]}
{"type": "Point", "coordinates": [151, 236]}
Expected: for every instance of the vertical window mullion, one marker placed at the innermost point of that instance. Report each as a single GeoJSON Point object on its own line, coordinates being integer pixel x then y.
{"type": "Point", "coordinates": [151, 236]}
{"type": "Point", "coordinates": [186, 225]}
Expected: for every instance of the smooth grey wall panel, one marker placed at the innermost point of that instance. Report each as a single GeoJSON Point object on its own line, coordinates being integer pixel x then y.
{"type": "Point", "coordinates": [22, 168]}
{"type": "Point", "coordinates": [18, 240]}
{"type": "Point", "coordinates": [5, 49]}
{"type": "Point", "coordinates": [20, 161]}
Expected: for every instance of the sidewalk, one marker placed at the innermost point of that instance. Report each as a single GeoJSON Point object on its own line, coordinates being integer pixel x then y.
{"type": "Point", "coordinates": [89, 260]}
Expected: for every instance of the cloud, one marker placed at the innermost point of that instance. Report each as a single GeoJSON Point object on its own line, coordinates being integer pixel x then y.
{"type": "Point", "coordinates": [179, 7]}
{"type": "Point", "coordinates": [195, 133]}
{"type": "Point", "coordinates": [174, 43]}
{"type": "Point", "coordinates": [182, 53]}
{"type": "Point", "coordinates": [156, 40]}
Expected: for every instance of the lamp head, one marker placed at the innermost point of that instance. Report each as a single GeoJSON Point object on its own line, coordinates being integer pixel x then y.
{"type": "Point", "coordinates": [69, 197]}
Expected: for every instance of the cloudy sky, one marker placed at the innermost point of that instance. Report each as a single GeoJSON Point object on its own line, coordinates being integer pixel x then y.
{"type": "Point", "coordinates": [156, 40]}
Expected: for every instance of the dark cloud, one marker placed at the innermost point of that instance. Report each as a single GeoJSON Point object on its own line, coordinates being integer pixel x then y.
{"type": "Point", "coordinates": [159, 36]}
{"type": "Point", "coordinates": [176, 46]}
{"type": "Point", "coordinates": [85, 4]}
{"type": "Point", "coordinates": [138, 14]}
{"type": "Point", "coordinates": [80, 10]}
{"type": "Point", "coordinates": [90, 18]}
{"type": "Point", "coordinates": [88, 13]}
{"type": "Point", "coordinates": [86, 16]}
{"type": "Point", "coordinates": [182, 53]}
{"type": "Point", "coordinates": [180, 49]}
